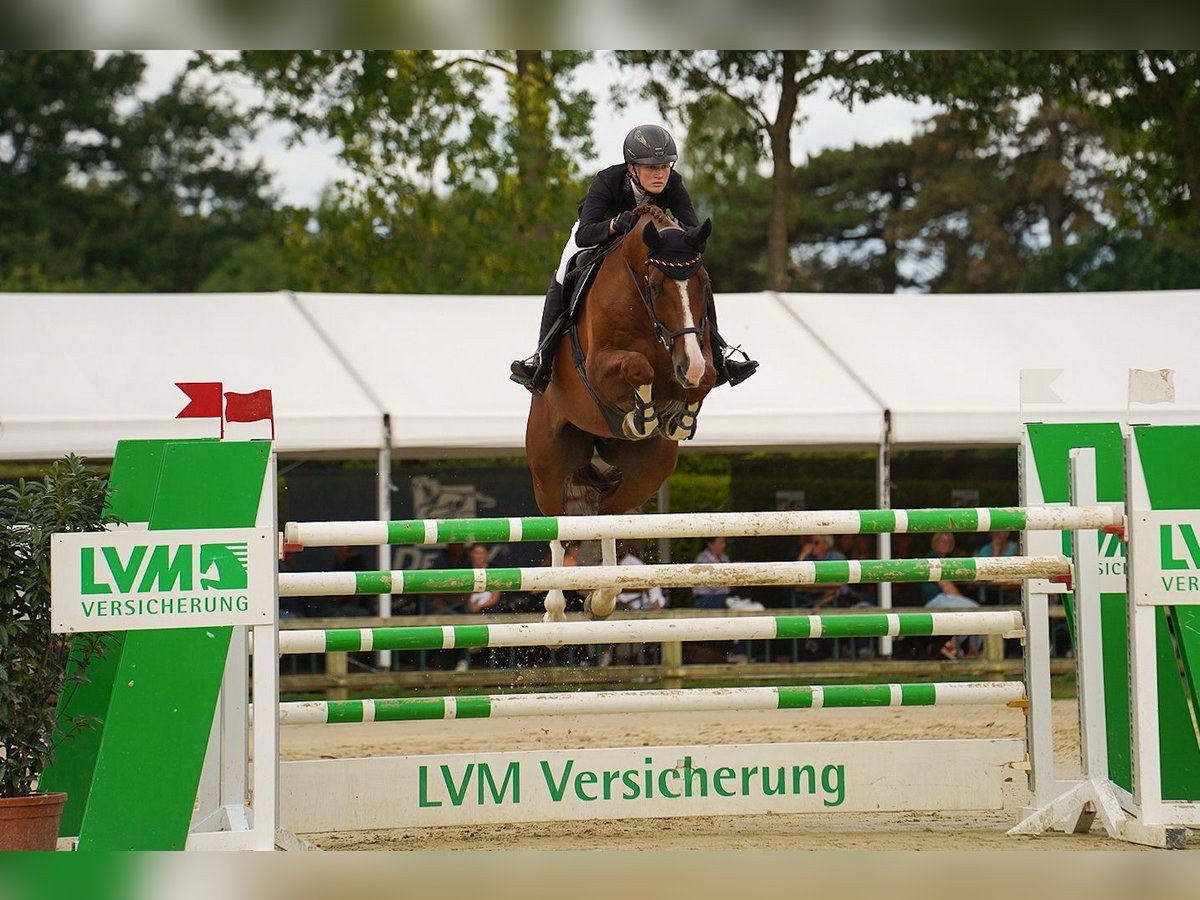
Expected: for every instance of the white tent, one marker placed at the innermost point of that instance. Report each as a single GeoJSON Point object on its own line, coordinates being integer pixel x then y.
{"type": "Point", "coordinates": [439, 366]}
{"type": "Point", "coordinates": [947, 367]}
{"type": "Point", "coordinates": [79, 372]}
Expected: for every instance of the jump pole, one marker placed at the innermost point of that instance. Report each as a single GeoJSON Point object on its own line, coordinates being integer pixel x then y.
{"type": "Point", "coordinates": [426, 581]}
{"type": "Point", "coordinates": [627, 631]}
{"type": "Point", "coordinates": [574, 703]}
{"type": "Point", "coordinates": [683, 525]}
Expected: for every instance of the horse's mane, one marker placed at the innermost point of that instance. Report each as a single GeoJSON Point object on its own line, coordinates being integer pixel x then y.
{"type": "Point", "coordinates": [660, 217]}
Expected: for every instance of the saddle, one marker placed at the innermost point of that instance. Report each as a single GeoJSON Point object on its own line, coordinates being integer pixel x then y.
{"type": "Point", "coordinates": [581, 272]}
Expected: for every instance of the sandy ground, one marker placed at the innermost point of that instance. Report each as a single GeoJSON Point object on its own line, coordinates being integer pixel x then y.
{"type": "Point", "coordinates": [844, 831]}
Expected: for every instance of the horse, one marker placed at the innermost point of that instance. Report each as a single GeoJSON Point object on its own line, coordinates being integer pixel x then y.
{"type": "Point", "coordinates": [627, 384]}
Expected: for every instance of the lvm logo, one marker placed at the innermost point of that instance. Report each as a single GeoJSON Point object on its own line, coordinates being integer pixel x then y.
{"type": "Point", "coordinates": [1179, 550]}
{"type": "Point", "coordinates": [187, 578]}
{"type": "Point", "coordinates": [163, 568]}
{"type": "Point", "coordinates": [1112, 555]}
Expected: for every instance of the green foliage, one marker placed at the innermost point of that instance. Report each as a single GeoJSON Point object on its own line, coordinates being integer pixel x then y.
{"type": "Point", "coordinates": [1146, 260]}
{"type": "Point", "coordinates": [34, 663]}
{"type": "Point", "coordinates": [104, 192]}
{"type": "Point", "coordinates": [738, 101]}
{"type": "Point", "coordinates": [446, 195]}
{"type": "Point", "coordinates": [1042, 170]}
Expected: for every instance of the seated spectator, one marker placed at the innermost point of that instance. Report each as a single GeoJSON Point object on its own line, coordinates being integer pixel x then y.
{"type": "Point", "coordinates": [1005, 593]}
{"type": "Point", "coordinates": [947, 595]}
{"type": "Point", "coordinates": [717, 597]}
{"type": "Point", "coordinates": [629, 553]}
{"type": "Point", "coordinates": [820, 548]}
{"type": "Point", "coordinates": [478, 601]}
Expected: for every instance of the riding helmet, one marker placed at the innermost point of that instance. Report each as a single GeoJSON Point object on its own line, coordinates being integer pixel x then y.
{"type": "Point", "coordinates": [650, 145]}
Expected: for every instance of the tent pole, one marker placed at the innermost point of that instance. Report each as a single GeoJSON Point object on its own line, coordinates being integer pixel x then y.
{"type": "Point", "coordinates": [383, 659]}
{"type": "Point", "coordinates": [664, 506]}
{"type": "Point", "coordinates": [884, 496]}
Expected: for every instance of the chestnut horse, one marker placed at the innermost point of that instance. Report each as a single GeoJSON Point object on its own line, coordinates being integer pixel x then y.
{"type": "Point", "coordinates": [628, 380]}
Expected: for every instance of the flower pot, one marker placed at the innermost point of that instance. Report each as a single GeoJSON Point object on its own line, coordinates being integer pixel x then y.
{"type": "Point", "coordinates": [30, 823]}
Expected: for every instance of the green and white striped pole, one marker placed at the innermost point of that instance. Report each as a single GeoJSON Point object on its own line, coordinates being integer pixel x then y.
{"type": "Point", "coordinates": [457, 581]}
{"type": "Point", "coordinates": [496, 706]}
{"type": "Point", "coordinates": [681, 525]}
{"type": "Point", "coordinates": [635, 630]}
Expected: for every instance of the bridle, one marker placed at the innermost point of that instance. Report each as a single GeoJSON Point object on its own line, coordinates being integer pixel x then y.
{"type": "Point", "coordinates": [665, 335]}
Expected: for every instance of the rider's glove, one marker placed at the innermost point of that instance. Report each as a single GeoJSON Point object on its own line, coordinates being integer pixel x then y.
{"type": "Point", "coordinates": [623, 222]}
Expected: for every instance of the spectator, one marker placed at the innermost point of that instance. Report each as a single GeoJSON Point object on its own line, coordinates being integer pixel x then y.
{"type": "Point", "coordinates": [947, 595]}
{"type": "Point", "coordinates": [453, 556]}
{"type": "Point", "coordinates": [717, 597]}
{"type": "Point", "coordinates": [629, 553]}
{"type": "Point", "coordinates": [1006, 593]}
{"type": "Point", "coordinates": [711, 597]}
{"type": "Point", "coordinates": [479, 601]}
{"type": "Point", "coordinates": [820, 548]}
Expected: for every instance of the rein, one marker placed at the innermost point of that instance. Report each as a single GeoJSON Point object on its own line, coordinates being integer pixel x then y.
{"type": "Point", "coordinates": [614, 415]}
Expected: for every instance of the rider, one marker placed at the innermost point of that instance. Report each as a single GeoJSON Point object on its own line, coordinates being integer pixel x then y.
{"type": "Point", "coordinates": [646, 177]}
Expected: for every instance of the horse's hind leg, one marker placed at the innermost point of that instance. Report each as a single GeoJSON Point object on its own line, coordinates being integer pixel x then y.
{"type": "Point", "coordinates": [644, 466]}
{"type": "Point", "coordinates": [600, 603]}
{"type": "Point", "coordinates": [555, 451]}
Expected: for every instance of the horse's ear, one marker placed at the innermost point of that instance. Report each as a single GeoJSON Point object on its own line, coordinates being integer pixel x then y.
{"type": "Point", "coordinates": [650, 236]}
{"type": "Point", "coordinates": [702, 233]}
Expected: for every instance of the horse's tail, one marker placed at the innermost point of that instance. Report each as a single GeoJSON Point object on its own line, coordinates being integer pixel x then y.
{"type": "Point", "coordinates": [585, 487]}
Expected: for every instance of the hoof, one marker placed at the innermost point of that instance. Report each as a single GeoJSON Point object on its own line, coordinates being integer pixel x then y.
{"type": "Point", "coordinates": [599, 606]}
{"type": "Point", "coordinates": [556, 607]}
{"type": "Point", "coordinates": [638, 429]}
{"type": "Point", "coordinates": [682, 425]}
{"type": "Point", "coordinates": [642, 421]}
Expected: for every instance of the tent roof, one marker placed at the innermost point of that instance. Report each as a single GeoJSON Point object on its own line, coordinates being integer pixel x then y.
{"type": "Point", "coordinates": [78, 372]}
{"type": "Point", "coordinates": [440, 366]}
{"type": "Point", "coordinates": [948, 366]}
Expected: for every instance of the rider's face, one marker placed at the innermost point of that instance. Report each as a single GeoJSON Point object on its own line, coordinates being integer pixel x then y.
{"type": "Point", "coordinates": [652, 178]}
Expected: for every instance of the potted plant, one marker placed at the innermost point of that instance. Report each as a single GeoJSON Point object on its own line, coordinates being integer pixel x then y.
{"type": "Point", "coordinates": [37, 668]}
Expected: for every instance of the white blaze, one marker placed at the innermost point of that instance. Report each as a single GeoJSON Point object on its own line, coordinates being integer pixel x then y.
{"type": "Point", "coordinates": [691, 342]}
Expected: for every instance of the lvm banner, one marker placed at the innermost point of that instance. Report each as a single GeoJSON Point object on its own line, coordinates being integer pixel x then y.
{"type": "Point", "coordinates": [135, 580]}
{"type": "Point", "coordinates": [1168, 563]}
{"type": "Point", "coordinates": [636, 782]}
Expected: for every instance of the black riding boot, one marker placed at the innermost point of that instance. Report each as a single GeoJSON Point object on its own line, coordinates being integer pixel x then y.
{"type": "Point", "coordinates": [735, 371]}
{"type": "Point", "coordinates": [534, 373]}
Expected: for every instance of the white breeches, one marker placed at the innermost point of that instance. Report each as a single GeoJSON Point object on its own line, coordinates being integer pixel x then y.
{"type": "Point", "coordinates": [569, 251]}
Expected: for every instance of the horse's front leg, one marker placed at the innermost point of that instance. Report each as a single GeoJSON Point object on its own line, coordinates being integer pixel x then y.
{"type": "Point", "coordinates": [641, 421]}
{"type": "Point", "coordinates": [681, 426]}
{"type": "Point", "coordinates": [616, 373]}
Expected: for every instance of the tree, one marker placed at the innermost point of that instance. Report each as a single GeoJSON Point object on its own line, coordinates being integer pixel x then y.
{"type": "Point", "coordinates": [434, 166]}
{"type": "Point", "coordinates": [102, 198]}
{"type": "Point", "coordinates": [1144, 105]}
{"type": "Point", "coordinates": [848, 235]}
{"type": "Point", "coordinates": [764, 89]}
{"type": "Point", "coordinates": [53, 107]}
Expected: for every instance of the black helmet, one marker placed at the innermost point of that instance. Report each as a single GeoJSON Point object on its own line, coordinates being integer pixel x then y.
{"type": "Point", "coordinates": [650, 145]}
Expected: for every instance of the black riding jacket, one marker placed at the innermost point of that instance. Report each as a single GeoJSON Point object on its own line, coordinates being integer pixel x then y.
{"type": "Point", "coordinates": [611, 194]}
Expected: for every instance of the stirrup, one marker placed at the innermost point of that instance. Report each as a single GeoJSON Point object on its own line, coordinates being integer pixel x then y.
{"type": "Point", "coordinates": [524, 372]}
{"type": "Point", "coordinates": [735, 371]}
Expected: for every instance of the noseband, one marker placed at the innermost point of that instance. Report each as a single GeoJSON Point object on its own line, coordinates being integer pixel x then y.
{"type": "Point", "coordinates": [687, 268]}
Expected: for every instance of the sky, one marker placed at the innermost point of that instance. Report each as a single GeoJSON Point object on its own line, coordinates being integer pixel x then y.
{"type": "Point", "coordinates": [301, 172]}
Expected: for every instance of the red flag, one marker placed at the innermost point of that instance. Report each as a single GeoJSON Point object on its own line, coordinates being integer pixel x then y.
{"type": "Point", "coordinates": [204, 399]}
{"type": "Point", "coordinates": [252, 407]}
